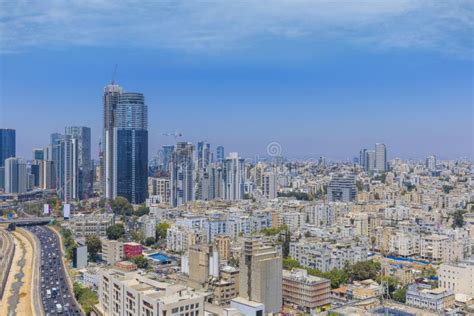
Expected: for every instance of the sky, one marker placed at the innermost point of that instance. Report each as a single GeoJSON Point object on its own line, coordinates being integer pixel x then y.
{"type": "Point", "coordinates": [320, 78]}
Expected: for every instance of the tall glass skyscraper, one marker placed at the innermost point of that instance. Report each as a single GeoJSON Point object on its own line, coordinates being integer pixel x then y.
{"type": "Point", "coordinates": [182, 174]}
{"type": "Point", "coordinates": [130, 148]}
{"type": "Point", "coordinates": [84, 164]}
{"type": "Point", "coordinates": [380, 157]}
{"type": "Point", "coordinates": [220, 154]}
{"type": "Point", "coordinates": [111, 96]}
{"type": "Point", "coordinates": [167, 154]}
{"type": "Point", "coordinates": [7, 144]}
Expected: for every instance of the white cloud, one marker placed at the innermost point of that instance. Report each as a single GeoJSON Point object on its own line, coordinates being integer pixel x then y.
{"type": "Point", "coordinates": [441, 26]}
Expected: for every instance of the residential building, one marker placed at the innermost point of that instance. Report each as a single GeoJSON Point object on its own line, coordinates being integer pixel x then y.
{"type": "Point", "coordinates": [234, 179]}
{"type": "Point", "coordinates": [88, 225]}
{"type": "Point", "coordinates": [223, 243]}
{"type": "Point", "coordinates": [182, 174]}
{"type": "Point", "coordinates": [269, 185]}
{"type": "Point", "coordinates": [112, 251]}
{"type": "Point", "coordinates": [83, 160]}
{"type": "Point", "coordinates": [132, 249]}
{"type": "Point", "coordinates": [430, 299]}
{"type": "Point", "coordinates": [457, 277]}
{"type": "Point", "coordinates": [380, 157]}
{"type": "Point", "coordinates": [160, 187]}
{"type": "Point", "coordinates": [220, 154]}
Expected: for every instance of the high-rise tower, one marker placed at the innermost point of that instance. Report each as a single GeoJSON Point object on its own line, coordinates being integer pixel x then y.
{"type": "Point", "coordinates": [130, 148]}
{"type": "Point", "coordinates": [7, 144]}
{"type": "Point", "coordinates": [111, 96]}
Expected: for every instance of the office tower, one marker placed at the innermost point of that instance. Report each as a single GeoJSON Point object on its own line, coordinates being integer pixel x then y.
{"type": "Point", "coordinates": [7, 144]}
{"type": "Point", "coordinates": [370, 160]}
{"type": "Point", "coordinates": [84, 163]}
{"type": "Point", "coordinates": [182, 171]}
{"type": "Point", "coordinates": [66, 177]}
{"type": "Point", "coordinates": [216, 182]}
{"type": "Point", "coordinates": [342, 188]}
{"type": "Point", "coordinates": [2, 177]}
{"type": "Point", "coordinates": [130, 148]}
{"type": "Point", "coordinates": [362, 156]}
{"type": "Point", "coordinates": [53, 154]}
{"type": "Point", "coordinates": [167, 154]}
{"type": "Point", "coordinates": [261, 274]}
{"type": "Point", "coordinates": [38, 154]}
{"type": "Point", "coordinates": [16, 176]}
{"type": "Point", "coordinates": [204, 155]}
{"type": "Point", "coordinates": [110, 99]}
{"type": "Point", "coordinates": [380, 157]}
{"type": "Point", "coordinates": [47, 174]}
{"type": "Point", "coordinates": [35, 172]}
{"type": "Point", "coordinates": [234, 177]}
{"type": "Point", "coordinates": [220, 154]}
{"type": "Point", "coordinates": [431, 163]}
{"type": "Point", "coordinates": [269, 185]}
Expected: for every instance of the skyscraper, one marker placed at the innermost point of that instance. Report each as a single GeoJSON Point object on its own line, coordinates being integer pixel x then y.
{"type": "Point", "coordinates": [130, 148]}
{"type": "Point", "coordinates": [370, 160]}
{"type": "Point", "coordinates": [182, 174]}
{"type": "Point", "coordinates": [204, 155]}
{"type": "Point", "coordinates": [111, 96]}
{"type": "Point", "coordinates": [167, 154]}
{"type": "Point", "coordinates": [7, 144]}
{"type": "Point", "coordinates": [362, 156]}
{"type": "Point", "coordinates": [380, 157]}
{"type": "Point", "coordinates": [16, 177]}
{"type": "Point", "coordinates": [67, 175]}
{"type": "Point", "coordinates": [220, 154]}
{"type": "Point", "coordinates": [84, 163]}
{"type": "Point", "coordinates": [431, 162]}
{"type": "Point", "coordinates": [234, 177]}
{"type": "Point", "coordinates": [38, 154]}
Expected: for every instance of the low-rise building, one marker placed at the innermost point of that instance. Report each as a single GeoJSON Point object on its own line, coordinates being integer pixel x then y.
{"type": "Point", "coordinates": [458, 277]}
{"type": "Point", "coordinates": [112, 251]}
{"type": "Point", "coordinates": [306, 292]}
{"type": "Point", "coordinates": [89, 225]}
{"type": "Point", "coordinates": [431, 299]}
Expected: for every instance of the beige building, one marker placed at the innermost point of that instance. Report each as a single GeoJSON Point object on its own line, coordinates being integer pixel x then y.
{"type": "Point", "coordinates": [88, 225]}
{"type": "Point", "coordinates": [308, 293]}
{"type": "Point", "coordinates": [223, 243]}
{"type": "Point", "coordinates": [203, 265]}
{"type": "Point", "coordinates": [261, 274]}
{"type": "Point", "coordinates": [112, 251]}
{"type": "Point", "coordinates": [227, 287]}
{"type": "Point", "coordinates": [458, 277]}
{"type": "Point", "coordinates": [160, 187]}
{"type": "Point", "coordinates": [129, 293]}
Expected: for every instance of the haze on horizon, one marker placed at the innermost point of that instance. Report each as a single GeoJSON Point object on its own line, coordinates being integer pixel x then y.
{"type": "Point", "coordinates": [320, 78]}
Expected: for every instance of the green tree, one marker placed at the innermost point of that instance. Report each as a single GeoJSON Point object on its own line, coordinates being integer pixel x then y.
{"type": "Point", "coordinates": [363, 270]}
{"type": "Point", "coordinates": [115, 231]}
{"type": "Point", "coordinates": [85, 296]}
{"type": "Point", "coordinates": [447, 188]}
{"type": "Point", "coordinates": [140, 261]}
{"type": "Point", "coordinates": [234, 262]}
{"type": "Point", "coordinates": [392, 283]}
{"type": "Point", "coordinates": [149, 241]}
{"type": "Point", "coordinates": [400, 295]}
{"type": "Point", "coordinates": [458, 219]}
{"type": "Point", "coordinates": [161, 230]}
{"type": "Point", "coordinates": [290, 263]}
{"type": "Point", "coordinates": [137, 236]}
{"type": "Point", "coordinates": [286, 244]}
{"type": "Point", "coordinates": [121, 206]}
{"type": "Point", "coordinates": [94, 245]}
{"type": "Point", "coordinates": [142, 210]}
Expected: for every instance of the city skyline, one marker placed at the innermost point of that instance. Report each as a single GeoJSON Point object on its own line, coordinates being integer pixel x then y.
{"type": "Point", "coordinates": [305, 82]}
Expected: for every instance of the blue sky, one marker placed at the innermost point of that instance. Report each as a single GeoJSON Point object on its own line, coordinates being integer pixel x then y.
{"type": "Point", "coordinates": [319, 77]}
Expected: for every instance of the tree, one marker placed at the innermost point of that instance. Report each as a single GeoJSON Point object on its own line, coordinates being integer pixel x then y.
{"type": "Point", "coordinates": [116, 231]}
{"type": "Point", "coordinates": [391, 282]}
{"type": "Point", "coordinates": [447, 188]}
{"type": "Point", "coordinates": [149, 241]}
{"type": "Point", "coordinates": [458, 218]}
{"type": "Point", "coordinates": [94, 245]}
{"type": "Point", "coordinates": [140, 261]}
{"type": "Point", "coordinates": [161, 230]}
{"type": "Point", "coordinates": [121, 206]}
{"type": "Point", "coordinates": [234, 262]}
{"type": "Point", "coordinates": [286, 244]}
{"type": "Point", "coordinates": [290, 263]}
{"type": "Point", "coordinates": [142, 210]}
{"type": "Point", "coordinates": [363, 270]}
{"type": "Point", "coordinates": [85, 296]}
{"type": "Point", "coordinates": [400, 295]}
{"type": "Point", "coordinates": [137, 236]}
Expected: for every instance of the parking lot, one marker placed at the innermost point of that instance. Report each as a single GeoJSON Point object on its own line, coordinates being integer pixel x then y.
{"type": "Point", "coordinates": [56, 297]}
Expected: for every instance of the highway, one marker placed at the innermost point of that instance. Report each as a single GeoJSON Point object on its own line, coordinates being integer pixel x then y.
{"type": "Point", "coordinates": [56, 296]}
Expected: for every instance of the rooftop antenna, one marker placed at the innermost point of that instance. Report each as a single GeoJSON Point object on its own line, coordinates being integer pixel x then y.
{"type": "Point", "coordinates": [114, 74]}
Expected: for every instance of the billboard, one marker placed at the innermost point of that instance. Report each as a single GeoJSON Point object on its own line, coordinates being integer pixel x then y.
{"type": "Point", "coordinates": [46, 209]}
{"type": "Point", "coordinates": [66, 210]}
